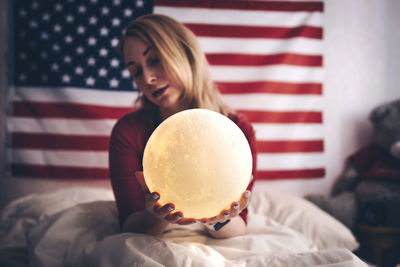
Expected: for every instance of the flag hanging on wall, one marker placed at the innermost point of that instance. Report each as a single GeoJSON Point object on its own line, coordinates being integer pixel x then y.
{"type": "Point", "coordinates": [71, 85]}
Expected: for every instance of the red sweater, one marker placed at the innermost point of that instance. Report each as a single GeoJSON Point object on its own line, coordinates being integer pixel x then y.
{"type": "Point", "coordinates": [128, 140]}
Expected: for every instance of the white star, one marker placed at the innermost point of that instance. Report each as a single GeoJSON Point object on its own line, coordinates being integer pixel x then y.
{"type": "Point", "coordinates": [105, 11]}
{"type": "Point", "coordinates": [114, 62]}
{"type": "Point", "coordinates": [32, 44]}
{"type": "Point", "coordinates": [113, 83]}
{"type": "Point", "coordinates": [104, 31]}
{"type": "Point", "coordinates": [66, 78]}
{"type": "Point", "coordinates": [116, 22]}
{"type": "Point", "coordinates": [92, 41]}
{"type": "Point", "coordinates": [22, 12]}
{"type": "Point", "coordinates": [57, 28]}
{"type": "Point", "coordinates": [35, 5]}
{"type": "Point", "coordinates": [54, 67]}
{"type": "Point", "coordinates": [69, 19]}
{"type": "Point", "coordinates": [43, 55]}
{"type": "Point", "coordinates": [67, 59]}
{"type": "Point", "coordinates": [128, 12]}
{"type": "Point", "coordinates": [126, 74]}
{"type": "Point", "coordinates": [22, 56]}
{"type": "Point", "coordinates": [46, 17]}
{"type": "Point", "coordinates": [68, 39]}
{"type": "Point", "coordinates": [139, 3]}
{"type": "Point", "coordinates": [58, 7]}
{"type": "Point", "coordinates": [34, 67]}
{"type": "Point", "coordinates": [81, 29]}
{"type": "Point", "coordinates": [44, 36]}
{"type": "Point", "coordinates": [93, 1]}
{"type": "Point", "coordinates": [56, 47]}
{"type": "Point", "coordinates": [80, 50]}
{"type": "Point", "coordinates": [116, 2]}
{"type": "Point", "coordinates": [92, 20]}
{"type": "Point", "coordinates": [82, 9]}
{"type": "Point", "coordinates": [91, 61]}
{"type": "Point", "coordinates": [33, 24]}
{"type": "Point", "coordinates": [102, 72]}
{"type": "Point", "coordinates": [90, 81]}
{"type": "Point", "coordinates": [44, 78]}
{"type": "Point", "coordinates": [22, 77]}
{"type": "Point", "coordinates": [79, 70]}
{"type": "Point", "coordinates": [103, 52]}
{"type": "Point", "coordinates": [114, 42]}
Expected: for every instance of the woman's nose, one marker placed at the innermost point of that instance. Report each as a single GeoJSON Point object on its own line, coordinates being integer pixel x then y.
{"type": "Point", "coordinates": [150, 76]}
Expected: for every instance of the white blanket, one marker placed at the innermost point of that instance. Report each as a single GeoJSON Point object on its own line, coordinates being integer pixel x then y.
{"type": "Point", "coordinates": [87, 234]}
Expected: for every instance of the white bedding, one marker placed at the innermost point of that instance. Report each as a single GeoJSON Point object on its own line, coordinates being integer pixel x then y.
{"type": "Point", "coordinates": [79, 227]}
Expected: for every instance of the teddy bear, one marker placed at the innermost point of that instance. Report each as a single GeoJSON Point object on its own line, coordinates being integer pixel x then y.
{"type": "Point", "coordinates": [368, 189]}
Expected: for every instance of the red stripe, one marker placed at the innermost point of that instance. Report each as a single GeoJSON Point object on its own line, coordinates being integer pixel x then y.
{"type": "Point", "coordinates": [246, 5]}
{"type": "Point", "coordinates": [66, 110]}
{"type": "Point", "coordinates": [58, 172]}
{"type": "Point", "coordinates": [269, 87]}
{"type": "Point", "coordinates": [291, 174]}
{"type": "Point", "coordinates": [265, 60]}
{"type": "Point", "coordinates": [237, 31]}
{"type": "Point", "coordinates": [282, 117]}
{"type": "Point", "coordinates": [290, 146]}
{"type": "Point", "coordinates": [64, 142]}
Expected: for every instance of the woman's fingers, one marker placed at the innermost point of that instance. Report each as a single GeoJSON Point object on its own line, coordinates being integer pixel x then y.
{"type": "Point", "coordinates": [151, 200]}
{"type": "Point", "coordinates": [164, 211]}
{"type": "Point", "coordinates": [244, 200]}
{"type": "Point", "coordinates": [186, 221]}
{"type": "Point", "coordinates": [235, 209]}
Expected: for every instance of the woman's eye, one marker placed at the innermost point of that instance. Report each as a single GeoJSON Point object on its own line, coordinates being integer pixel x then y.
{"type": "Point", "coordinates": [154, 61]}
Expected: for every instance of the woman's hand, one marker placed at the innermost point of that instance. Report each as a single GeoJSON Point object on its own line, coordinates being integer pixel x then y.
{"type": "Point", "coordinates": [235, 209]}
{"type": "Point", "coordinates": [162, 212]}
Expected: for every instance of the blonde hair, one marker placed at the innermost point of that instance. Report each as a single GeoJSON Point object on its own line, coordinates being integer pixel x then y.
{"type": "Point", "coordinates": [182, 59]}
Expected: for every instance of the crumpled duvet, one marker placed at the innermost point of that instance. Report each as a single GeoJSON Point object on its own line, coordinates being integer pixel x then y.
{"type": "Point", "coordinates": [87, 234]}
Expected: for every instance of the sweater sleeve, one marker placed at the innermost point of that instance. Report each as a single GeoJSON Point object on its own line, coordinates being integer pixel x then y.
{"type": "Point", "coordinates": [124, 160]}
{"type": "Point", "coordinates": [246, 127]}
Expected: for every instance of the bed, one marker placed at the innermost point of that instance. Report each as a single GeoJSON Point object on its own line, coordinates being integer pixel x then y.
{"type": "Point", "coordinates": [79, 227]}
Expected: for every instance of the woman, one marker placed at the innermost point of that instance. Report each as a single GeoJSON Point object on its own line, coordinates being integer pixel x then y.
{"type": "Point", "coordinates": [172, 74]}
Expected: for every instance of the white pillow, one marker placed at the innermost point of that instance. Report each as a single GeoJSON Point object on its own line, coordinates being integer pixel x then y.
{"type": "Point", "coordinates": [304, 217]}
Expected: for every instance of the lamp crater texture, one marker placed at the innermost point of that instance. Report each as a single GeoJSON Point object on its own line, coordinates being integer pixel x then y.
{"type": "Point", "coordinates": [199, 160]}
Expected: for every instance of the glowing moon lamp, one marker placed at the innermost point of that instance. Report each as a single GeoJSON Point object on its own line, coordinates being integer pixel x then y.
{"type": "Point", "coordinates": [199, 160]}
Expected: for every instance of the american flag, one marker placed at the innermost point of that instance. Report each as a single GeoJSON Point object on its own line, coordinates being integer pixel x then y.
{"type": "Point", "coordinates": [71, 85]}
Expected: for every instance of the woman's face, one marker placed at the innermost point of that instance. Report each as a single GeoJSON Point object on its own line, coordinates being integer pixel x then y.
{"type": "Point", "coordinates": [148, 73]}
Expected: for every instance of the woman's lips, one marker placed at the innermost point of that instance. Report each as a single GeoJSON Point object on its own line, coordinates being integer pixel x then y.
{"type": "Point", "coordinates": [159, 92]}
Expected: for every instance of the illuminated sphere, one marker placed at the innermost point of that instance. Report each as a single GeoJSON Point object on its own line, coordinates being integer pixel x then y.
{"type": "Point", "coordinates": [199, 160]}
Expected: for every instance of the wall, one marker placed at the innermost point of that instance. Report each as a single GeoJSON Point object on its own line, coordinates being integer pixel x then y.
{"type": "Point", "coordinates": [362, 70]}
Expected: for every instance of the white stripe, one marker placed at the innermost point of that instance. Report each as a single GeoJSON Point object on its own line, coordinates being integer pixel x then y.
{"type": "Point", "coordinates": [60, 158]}
{"type": "Point", "coordinates": [297, 45]}
{"type": "Point", "coordinates": [274, 102]}
{"type": "Point", "coordinates": [289, 161]}
{"type": "Point", "coordinates": [242, 17]}
{"type": "Point", "coordinates": [300, 132]}
{"type": "Point", "coordinates": [61, 126]}
{"type": "Point", "coordinates": [270, 73]}
{"type": "Point", "coordinates": [76, 95]}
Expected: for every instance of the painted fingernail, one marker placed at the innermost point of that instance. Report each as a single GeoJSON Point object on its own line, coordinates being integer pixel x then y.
{"type": "Point", "coordinates": [247, 195]}
{"type": "Point", "coordinates": [236, 206]}
{"type": "Point", "coordinates": [170, 208]}
{"type": "Point", "coordinates": [178, 216]}
{"type": "Point", "coordinates": [203, 221]}
{"type": "Point", "coordinates": [155, 196]}
{"type": "Point", "coordinates": [226, 215]}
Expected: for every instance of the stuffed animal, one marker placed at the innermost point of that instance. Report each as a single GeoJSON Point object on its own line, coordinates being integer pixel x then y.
{"type": "Point", "coordinates": [368, 189]}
